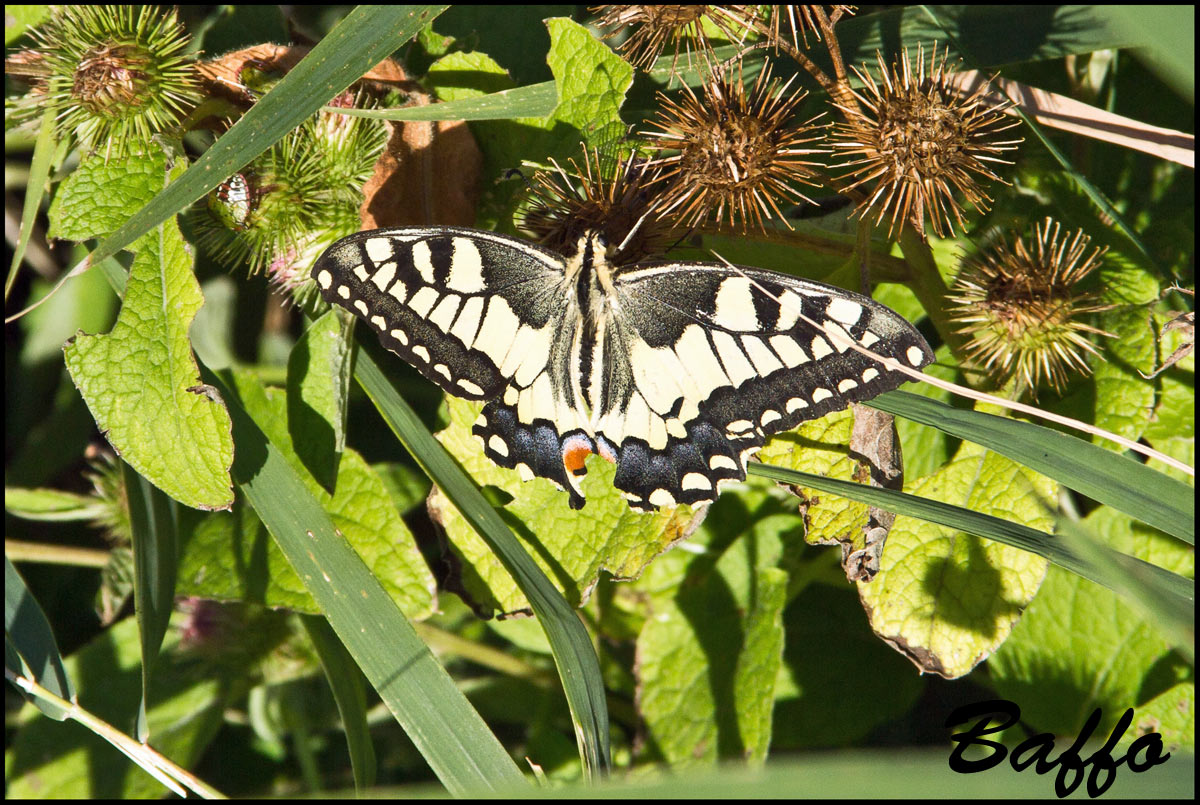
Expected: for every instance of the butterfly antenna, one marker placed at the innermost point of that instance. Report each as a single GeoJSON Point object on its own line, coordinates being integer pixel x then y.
{"type": "Point", "coordinates": [632, 232]}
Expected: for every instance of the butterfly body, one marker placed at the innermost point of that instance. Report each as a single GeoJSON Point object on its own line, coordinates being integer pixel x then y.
{"type": "Point", "coordinates": [675, 371]}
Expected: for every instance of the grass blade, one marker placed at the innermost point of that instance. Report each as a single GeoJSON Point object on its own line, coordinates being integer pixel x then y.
{"type": "Point", "coordinates": [1104, 476]}
{"type": "Point", "coordinates": [573, 651]}
{"type": "Point", "coordinates": [984, 525]}
{"type": "Point", "coordinates": [454, 740]}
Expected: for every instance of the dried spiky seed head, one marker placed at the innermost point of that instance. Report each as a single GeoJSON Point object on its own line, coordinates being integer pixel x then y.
{"type": "Point", "coordinates": [653, 28]}
{"type": "Point", "coordinates": [916, 143]}
{"type": "Point", "coordinates": [1017, 304]}
{"type": "Point", "coordinates": [606, 195]}
{"type": "Point", "coordinates": [738, 155]}
{"type": "Point", "coordinates": [798, 21]}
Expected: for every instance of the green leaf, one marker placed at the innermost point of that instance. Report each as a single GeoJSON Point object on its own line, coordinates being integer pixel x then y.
{"type": "Point", "coordinates": [231, 557]}
{"type": "Point", "coordinates": [464, 754]}
{"type": "Point", "coordinates": [1080, 646]}
{"type": "Point", "coordinates": [947, 599]}
{"type": "Point", "coordinates": [592, 82]}
{"type": "Point", "coordinates": [461, 77]}
{"type": "Point", "coordinates": [140, 381]}
{"type": "Point", "coordinates": [20, 18]}
{"type": "Point", "coordinates": [839, 682]}
{"type": "Point", "coordinates": [819, 446]}
{"type": "Point", "coordinates": [1172, 714]}
{"type": "Point", "coordinates": [1175, 409]}
{"type": "Point", "coordinates": [319, 368]}
{"type": "Point", "coordinates": [1124, 398]}
{"type": "Point", "coordinates": [571, 547]}
{"type": "Point", "coordinates": [712, 644]}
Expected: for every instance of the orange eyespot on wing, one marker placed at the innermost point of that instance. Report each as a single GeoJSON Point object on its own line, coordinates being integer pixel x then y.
{"type": "Point", "coordinates": [575, 450]}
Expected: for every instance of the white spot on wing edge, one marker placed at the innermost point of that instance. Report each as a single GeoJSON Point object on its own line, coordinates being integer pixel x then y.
{"type": "Point", "coordinates": [498, 445]}
{"type": "Point", "coordinates": [718, 462]}
{"type": "Point", "coordinates": [470, 388]}
{"type": "Point", "coordinates": [324, 279]}
{"type": "Point", "coordinates": [661, 497]}
{"type": "Point", "coordinates": [695, 480]}
{"type": "Point", "coordinates": [915, 356]}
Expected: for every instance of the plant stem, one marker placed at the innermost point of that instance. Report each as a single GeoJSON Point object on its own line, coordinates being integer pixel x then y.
{"type": "Point", "coordinates": [929, 288]}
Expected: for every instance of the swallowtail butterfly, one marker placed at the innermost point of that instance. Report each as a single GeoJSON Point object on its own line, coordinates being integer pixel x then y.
{"type": "Point", "coordinates": [675, 371]}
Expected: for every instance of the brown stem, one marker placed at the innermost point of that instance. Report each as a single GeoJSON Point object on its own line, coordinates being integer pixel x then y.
{"type": "Point", "coordinates": [926, 282]}
{"type": "Point", "coordinates": [840, 89]}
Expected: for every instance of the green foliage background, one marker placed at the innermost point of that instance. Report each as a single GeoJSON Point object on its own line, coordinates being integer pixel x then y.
{"type": "Point", "coordinates": [743, 641]}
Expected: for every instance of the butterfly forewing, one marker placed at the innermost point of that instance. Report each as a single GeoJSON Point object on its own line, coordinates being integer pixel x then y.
{"type": "Point", "coordinates": [468, 309]}
{"type": "Point", "coordinates": [675, 371]}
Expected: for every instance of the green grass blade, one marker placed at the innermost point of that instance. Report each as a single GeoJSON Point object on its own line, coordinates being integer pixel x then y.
{"type": "Point", "coordinates": [984, 525]}
{"type": "Point", "coordinates": [535, 100]}
{"type": "Point", "coordinates": [30, 649]}
{"type": "Point", "coordinates": [464, 754]}
{"type": "Point", "coordinates": [35, 192]}
{"type": "Point", "coordinates": [1104, 476]}
{"type": "Point", "coordinates": [345, 682]}
{"type": "Point", "coordinates": [367, 36]}
{"type": "Point", "coordinates": [153, 524]}
{"type": "Point", "coordinates": [573, 650]}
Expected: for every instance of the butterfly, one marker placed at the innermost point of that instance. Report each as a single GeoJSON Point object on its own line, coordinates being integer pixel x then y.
{"type": "Point", "coordinates": [674, 371]}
